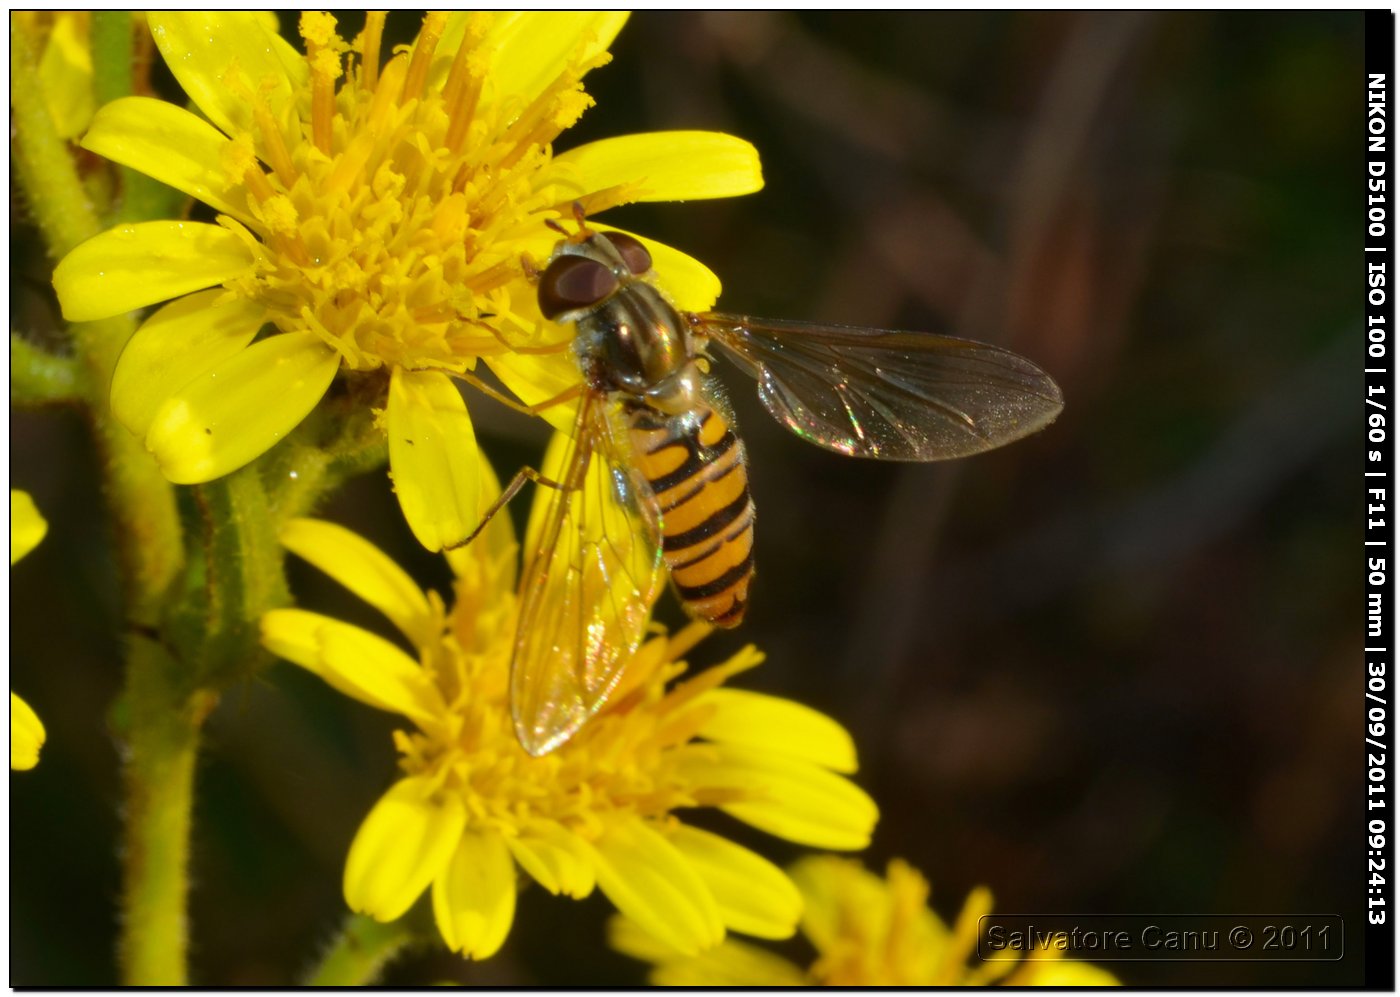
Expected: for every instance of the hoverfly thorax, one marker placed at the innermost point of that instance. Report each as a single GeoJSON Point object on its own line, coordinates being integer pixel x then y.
{"type": "Point", "coordinates": [630, 338]}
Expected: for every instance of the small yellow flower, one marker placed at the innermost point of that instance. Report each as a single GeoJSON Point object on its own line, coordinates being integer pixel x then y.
{"type": "Point", "coordinates": [376, 217]}
{"type": "Point", "coordinates": [600, 811]}
{"type": "Point", "coordinates": [27, 528]}
{"type": "Point", "coordinates": [867, 931]}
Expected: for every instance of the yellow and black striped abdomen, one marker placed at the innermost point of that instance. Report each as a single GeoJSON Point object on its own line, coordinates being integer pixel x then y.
{"type": "Point", "coordinates": [695, 464]}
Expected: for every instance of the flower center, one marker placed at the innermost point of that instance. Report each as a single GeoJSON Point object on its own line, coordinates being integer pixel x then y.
{"type": "Point", "coordinates": [628, 759]}
{"type": "Point", "coordinates": [391, 204]}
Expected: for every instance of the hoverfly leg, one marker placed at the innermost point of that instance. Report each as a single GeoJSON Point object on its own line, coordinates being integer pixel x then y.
{"type": "Point", "coordinates": [509, 492]}
{"type": "Point", "coordinates": [581, 217]}
{"type": "Point", "coordinates": [567, 395]}
{"type": "Point", "coordinates": [558, 347]}
{"type": "Point", "coordinates": [573, 479]}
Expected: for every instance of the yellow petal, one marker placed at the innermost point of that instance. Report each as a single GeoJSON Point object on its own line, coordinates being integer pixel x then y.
{"type": "Point", "coordinates": [626, 937]}
{"type": "Point", "coordinates": [65, 76]}
{"type": "Point", "coordinates": [779, 726]}
{"type": "Point", "coordinates": [1062, 973]}
{"type": "Point", "coordinates": [730, 964]}
{"type": "Point", "coordinates": [908, 891]}
{"type": "Point", "coordinates": [365, 570]}
{"type": "Point", "coordinates": [652, 883]}
{"type": "Point", "coordinates": [832, 887]}
{"type": "Point", "coordinates": [170, 144]}
{"type": "Point", "coordinates": [796, 800]}
{"type": "Point", "coordinates": [433, 457]}
{"type": "Point", "coordinates": [474, 897]}
{"type": "Point", "coordinates": [27, 527]}
{"type": "Point", "coordinates": [26, 735]}
{"type": "Point", "coordinates": [182, 341]}
{"type": "Point", "coordinates": [269, 20]}
{"type": "Point", "coordinates": [659, 166]}
{"type": "Point", "coordinates": [754, 896]}
{"type": "Point", "coordinates": [132, 266]}
{"type": "Point", "coordinates": [404, 844]}
{"type": "Point", "coordinates": [527, 50]}
{"type": "Point", "coordinates": [541, 58]}
{"type": "Point", "coordinates": [691, 286]}
{"type": "Point", "coordinates": [554, 858]}
{"type": "Point", "coordinates": [537, 378]}
{"type": "Point", "coordinates": [353, 661]}
{"type": "Point", "coordinates": [201, 47]}
{"type": "Point", "coordinates": [236, 411]}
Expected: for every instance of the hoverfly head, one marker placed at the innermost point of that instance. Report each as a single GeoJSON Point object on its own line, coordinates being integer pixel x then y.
{"type": "Point", "coordinates": [588, 266]}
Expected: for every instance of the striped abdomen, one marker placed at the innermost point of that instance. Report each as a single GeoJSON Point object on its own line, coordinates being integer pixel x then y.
{"type": "Point", "coordinates": [695, 464]}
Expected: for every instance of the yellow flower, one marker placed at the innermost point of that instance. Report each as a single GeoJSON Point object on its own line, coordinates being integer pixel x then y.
{"type": "Point", "coordinates": [377, 218]}
{"type": "Point", "coordinates": [599, 811]}
{"type": "Point", "coordinates": [867, 931]}
{"type": "Point", "coordinates": [27, 528]}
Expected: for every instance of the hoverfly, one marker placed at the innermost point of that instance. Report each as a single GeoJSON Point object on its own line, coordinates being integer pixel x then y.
{"type": "Point", "coordinates": [672, 486]}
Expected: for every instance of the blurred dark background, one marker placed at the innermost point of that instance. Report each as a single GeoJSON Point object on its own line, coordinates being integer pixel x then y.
{"type": "Point", "coordinates": [1114, 668]}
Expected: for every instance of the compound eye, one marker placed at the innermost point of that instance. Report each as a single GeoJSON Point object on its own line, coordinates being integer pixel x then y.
{"type": "Point", "coordinates": [572, 282]}
{"type": "Point", "coordinates": [633, 253]}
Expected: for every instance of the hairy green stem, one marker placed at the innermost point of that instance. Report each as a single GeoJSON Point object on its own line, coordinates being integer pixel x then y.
{"type": "Point", "coordinates": [192, 627]}
{"type": "Point", "coordinates": [162, 742]}
{"type": "Point", "coordinates": [244, 577]}
{"type": "Point", "coordinates": [140, 499]}
{"type": "Point", "coordinates": [162, 732]}
{"type": "Point", "coordinates": [42, 162]}
{"type": "Point", "coordinates": [142, 502]}
{"type": "Point", "coordinates": [360, 953]}
{"type": "Point", "coordinates": [38, 377]}
{"type": "Point", "coordinates": [312, 463]}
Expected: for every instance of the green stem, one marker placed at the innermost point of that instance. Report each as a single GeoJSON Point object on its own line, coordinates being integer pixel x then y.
{"type": "Point", "coordinates": [360, 953]}
{"type": "Point", "coordinates": [216, 626]}
{"type": "Point", "coordinates": [38, 377]}
{"type": "Point", "coordinates": [113, 50]}
{"type": "Point", "coordinates": [212, 628]}
{"type": "Point", "coordinates": [163, 720]}
{"type": "Point", "coordinates": [162, 741]}
{"type": "Point", "coordinates": [42, 161]}
{"type": "Point", "coordinates": [307, 466]}
{"type": "Point", "coordinates": [141, 500]}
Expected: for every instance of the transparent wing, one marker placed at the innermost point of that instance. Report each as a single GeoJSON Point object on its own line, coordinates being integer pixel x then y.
{"type": "Point", "coordinates": [593, 574]}
{"type": "Point", "coordinates": [888, 395]}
